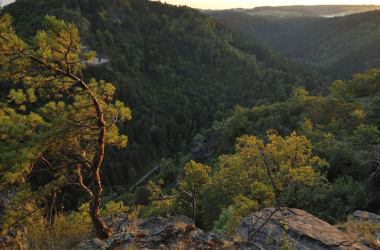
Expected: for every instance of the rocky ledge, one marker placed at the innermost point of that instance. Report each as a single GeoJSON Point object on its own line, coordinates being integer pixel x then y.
{"type": "Point", "coordinates": [304, 231]}
{"type": "Point", "coordinates": [158, 233]}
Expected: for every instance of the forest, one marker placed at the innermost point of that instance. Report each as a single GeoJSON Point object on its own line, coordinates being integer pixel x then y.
{"type": "Point", "coordinates": [175, 77]}
{"type": "Point", "coordinates": [338, 47]}
{"type": "Point", "coordinates": [302, 10]}
{"type": "Point", "coordinates": [173, 67]}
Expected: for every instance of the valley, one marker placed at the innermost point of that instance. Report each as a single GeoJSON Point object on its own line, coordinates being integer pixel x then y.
{"type": "Point", "coordinates": [339, 47]}
{"type": "Point", "coordinates": [211, 115]}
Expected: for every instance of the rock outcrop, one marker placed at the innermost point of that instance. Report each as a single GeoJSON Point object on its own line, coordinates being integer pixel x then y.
{"type": "Point", "coordinates": [365, 216]}
{"type": "Point", "coordinates": [305, 231]}
{"type": "Point", "coordinates": [101, 59]}
{"type": "Point", "coordinates": [201, 150]}
{"type": "Point", "coordinates": [373, 219]}
{"type": "Point", "coordinates": [160, 233]}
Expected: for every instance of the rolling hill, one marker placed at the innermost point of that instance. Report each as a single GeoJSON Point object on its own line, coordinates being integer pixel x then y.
{"type": "Point", "coordinates": [175, 67]}
{"type": "Point", "coordinates": [338, 47]}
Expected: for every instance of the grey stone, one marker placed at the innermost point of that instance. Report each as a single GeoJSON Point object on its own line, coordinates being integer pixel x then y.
{"type": "Point", "coordinates": [305, 231]}
{"type": "Point", "coordinates": [247, 245]}
{"type": "Point", "coordinates": [201, 150]}
{"type": "Point", "coordinates": [365, 216]}
{"type": "Point", "coordinates": [93, 244]}
{"type": "Point", "coordinates": [125, 238]}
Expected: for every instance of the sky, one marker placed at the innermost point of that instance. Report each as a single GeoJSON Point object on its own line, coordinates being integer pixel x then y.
{"type": "Point", "coordinates": [228, 4]}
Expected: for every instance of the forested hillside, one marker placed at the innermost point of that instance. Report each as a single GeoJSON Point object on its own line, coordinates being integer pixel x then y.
{"type": "Point", "coordinates": [173, 66]}
{"type": "Point", "coordinates": [180, 84]}
{"type": "Point", "coordinates": [338, 47]}
{"type": "Point", "coordinates": [342, 129]}
{"type": "Point", "coordinates": [304, 10]}
{"type": "Point", "coordinates": [261, 28]}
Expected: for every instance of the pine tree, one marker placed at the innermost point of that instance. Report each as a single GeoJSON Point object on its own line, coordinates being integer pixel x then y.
{"type": "Point", "coordinates": [53, 129]}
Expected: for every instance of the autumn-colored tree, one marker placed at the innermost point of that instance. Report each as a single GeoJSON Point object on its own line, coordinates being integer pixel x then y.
{"type": "Point", "coordinates": [61, 142]}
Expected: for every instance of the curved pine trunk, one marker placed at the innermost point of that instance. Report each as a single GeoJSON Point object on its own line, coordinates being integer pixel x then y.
{"type": "Point", "coordinates": [104, 232]}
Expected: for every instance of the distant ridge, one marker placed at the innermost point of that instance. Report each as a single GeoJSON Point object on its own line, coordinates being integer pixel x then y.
{"type": "Point", "coordinates": [303, 10]}
{"type": "Point", "coordinates": [338, 47]}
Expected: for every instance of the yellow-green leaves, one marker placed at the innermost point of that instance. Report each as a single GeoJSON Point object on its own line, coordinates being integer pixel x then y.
{"type": "Point", "coordinates": [300, 94]}
{"type": "Point", "coordinates": [339, 90]}
{"type": "Point", "coordinates": [196, 175]}
{"type": "Point", "coordinates": [262, 172]}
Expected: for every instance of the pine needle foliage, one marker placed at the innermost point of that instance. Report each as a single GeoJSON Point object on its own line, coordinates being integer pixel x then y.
{"type": "Point", "coordinates": [54, 128]}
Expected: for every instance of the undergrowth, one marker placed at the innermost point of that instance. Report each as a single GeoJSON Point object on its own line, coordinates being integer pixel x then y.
{"type": "Point", "coordinates": [63, 234]}
{"type": "Point", "coordinates": [362, 231]}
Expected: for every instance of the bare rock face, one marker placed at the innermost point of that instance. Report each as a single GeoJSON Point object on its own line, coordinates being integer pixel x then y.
{"type": "Point", "coordinates": [201, 150]}
{"type": "Point", "coordinates": [365, 216]}
{"type": "Point", "coordinates": [16, 238]}
{"type": "Point", "coordinates": [160, 233]}
{"type": "Point", "coordinates": [305, 231]}
{"type": "Point", "coordinates": [362, 216]}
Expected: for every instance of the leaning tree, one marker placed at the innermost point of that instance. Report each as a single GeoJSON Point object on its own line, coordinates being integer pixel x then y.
{"type": "Point", "coordinates": [55, 125]}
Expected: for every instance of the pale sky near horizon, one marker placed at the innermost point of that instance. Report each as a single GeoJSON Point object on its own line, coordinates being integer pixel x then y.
{"type": "Point", "coordinates": [228, 4]}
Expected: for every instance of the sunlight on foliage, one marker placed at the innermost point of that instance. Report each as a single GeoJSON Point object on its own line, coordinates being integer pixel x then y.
{"type": "Point", "coordinates": [263, 174]}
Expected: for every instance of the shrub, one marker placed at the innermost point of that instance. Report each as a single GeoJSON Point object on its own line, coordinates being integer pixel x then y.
{"type": "Point", "coordinates": [345, 197]}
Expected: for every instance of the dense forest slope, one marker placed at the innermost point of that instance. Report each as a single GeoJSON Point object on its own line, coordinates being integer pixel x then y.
{"type": "Point", "coordinates": [304, 10]}
{"type": "Point", "coordinates": [173, 66]}
{"type": "Point", "coordinates": [261, 28]}
{"type": "Point", "coordinates": [274, 132]}
{"type": "Point", "coordinates": [338, 47]}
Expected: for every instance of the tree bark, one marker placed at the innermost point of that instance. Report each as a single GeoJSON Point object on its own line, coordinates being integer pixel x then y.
{"type": "Point", "coordinates": [104, 232]}
{"type": "Point", "coordinates": [193, 204]}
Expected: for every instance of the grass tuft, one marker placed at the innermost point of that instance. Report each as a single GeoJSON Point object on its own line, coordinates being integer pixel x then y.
{"type": "Point", "coordinates": [362, 231]}
{"type": "Point", "coordinates": [64, 234]}
{"type": "Point", "coordinates": [181, 225]}
{"type": "Point", "coordinates": [238, 238]}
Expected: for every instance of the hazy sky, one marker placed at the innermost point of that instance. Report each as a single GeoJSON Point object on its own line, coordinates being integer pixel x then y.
{"type": "Point", "coordinates": [227, 4]}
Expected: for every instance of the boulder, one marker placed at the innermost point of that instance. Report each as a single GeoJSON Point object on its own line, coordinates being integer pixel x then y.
{"type": "Point", "coordinates": [304, 231]}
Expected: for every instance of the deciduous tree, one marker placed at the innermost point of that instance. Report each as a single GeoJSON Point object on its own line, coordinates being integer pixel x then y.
{"type": "Point", "coordinates": [196, 177]}
{"type": "Point", "coordinates": [265, 173]}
